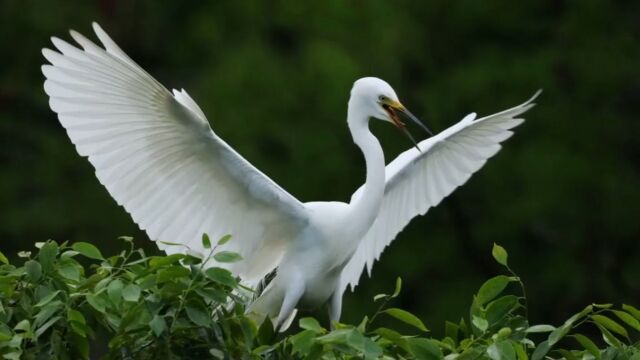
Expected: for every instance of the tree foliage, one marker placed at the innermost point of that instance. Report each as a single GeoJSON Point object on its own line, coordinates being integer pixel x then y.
{"type": "Point", "coordinates": [65, 298]}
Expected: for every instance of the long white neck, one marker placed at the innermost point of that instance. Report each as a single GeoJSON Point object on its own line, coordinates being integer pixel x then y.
{"type": "Point", "coordinates": [364, 209]}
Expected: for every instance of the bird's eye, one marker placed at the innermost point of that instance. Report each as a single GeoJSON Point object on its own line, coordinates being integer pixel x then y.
{"type": "Point", "coordinates": [382, 98]}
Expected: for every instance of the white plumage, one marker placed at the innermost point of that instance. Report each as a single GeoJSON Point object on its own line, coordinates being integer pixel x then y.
{"type": "Point", "coordinates": [157, 156]}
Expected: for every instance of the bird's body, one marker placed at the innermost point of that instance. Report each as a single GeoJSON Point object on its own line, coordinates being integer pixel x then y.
{"type": "Point", "coordinates": [311, 269]}
{"type": "Point", "coordinates": [157, 155]}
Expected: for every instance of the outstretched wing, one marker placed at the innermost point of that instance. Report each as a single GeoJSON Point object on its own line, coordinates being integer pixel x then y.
{"type": "Point", "coordinates": [157, 156]}
{"type": "Point", "coordinates": [417, 181]}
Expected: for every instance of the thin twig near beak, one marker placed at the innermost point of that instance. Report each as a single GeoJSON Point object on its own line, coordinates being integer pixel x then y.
{"type": "Point", "coordinates": [393, 115]}
{"type": "Point", "coordinates": [408, 114]}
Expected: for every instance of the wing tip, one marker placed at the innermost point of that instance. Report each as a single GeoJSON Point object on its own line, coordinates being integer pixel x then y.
{"type": "Point", "coordinates": [76, 36]}
{"type": "Point", "coordinates": [61, 44]}
{"type": "Point", "coordinates": [532, 98]}
{"type": "Point", "coordinates": [49, 54]}
{"type": "Point", "coordinates": [102, 35]}
{"type": "Point", "coordinates": [96, 27]}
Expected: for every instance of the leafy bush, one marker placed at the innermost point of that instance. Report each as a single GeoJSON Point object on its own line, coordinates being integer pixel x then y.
{"type": "Point", "coordinates": [63, 300]}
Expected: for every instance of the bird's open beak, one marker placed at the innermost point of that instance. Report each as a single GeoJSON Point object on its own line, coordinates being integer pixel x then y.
{"type": "Point", "coordinates": [393, 108]}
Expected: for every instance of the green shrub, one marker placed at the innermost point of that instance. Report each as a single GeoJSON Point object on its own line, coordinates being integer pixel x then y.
{"type": "Point", "coordinates": [65, 299]}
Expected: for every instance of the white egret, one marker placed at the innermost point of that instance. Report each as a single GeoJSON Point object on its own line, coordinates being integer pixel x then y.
{"type": "Point", "coordinates": [157, 156]}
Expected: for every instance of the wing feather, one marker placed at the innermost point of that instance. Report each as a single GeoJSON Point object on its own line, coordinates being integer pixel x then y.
{"type": "Point", "coordinates": [417, 181]}
{"type": "Point", "coordinates": [157, 156]}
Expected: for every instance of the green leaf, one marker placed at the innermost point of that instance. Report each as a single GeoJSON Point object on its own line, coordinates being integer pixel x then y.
{"type": "Point", "coordinates": [23, 325]}
{"type": "Point", "coordinates": [424, 349]}
{"type": "Point", "coordinates": [628, 319]}
{"type": "Point", "coordinates": [222, 276]}
{"type": "Point", "coordinates": [608, 337]}
{"type": "Point", "coordinates": [135, 316]}
{"type": "Point", "coordinates": [198, 315]}
{"type": "Point", "coordinates": [303, 341]}
{"type": "Point", "coordinates": [87, 250]}
{"type": "Point", "coordinates": [42, 329]}
{"type": "Point", "coordinates": [364, 345]}
{"type": "Point", "coordinates": [500, 254]}
{"type": "Point", "coordinates": [75, 315]}
{"type": "Point", "coordinates": [492, 288]}
{"type": "Point", "coordinates": [170, 243]}
{"type": "Point", "coordinates": [521, 353]}
{"type": "Point", "coordinates": [212, 294]}
{"type": "Point", "coordinates": [379, 296]}
{"type": "Point", "coordinates": [78, 322]}
{"type": "Point", "coordinates": [610, 324]}
{"type": "Point", "coordinates": [114, 290]}
{"type": "Point", "coordinates": [191, 260]}
{"type": "Point", "coordinates": [451, 330]}
{"type": "Point", "coordinates": [312, 324]}
{"type": "Point", "coordinates": [206, 242]}
{"type": "Point", "coordinates": [5, 336]}
{"type": "Point", "coordinates": [567, 355]}
{"type": "Point", "coordinates": [540, 328]}
{"type": "Point", "coordinates": [3, 259]}
{"type": "Point", "coordinates": [498, 309]}
{"type": "Point", "coordinates": [68, 254]}
{"type": "Point", "coordinates": [98, 302]}
{"type": "Point", "coordinates": [217, 353]}
{"type": "Point", "coordinates": [172, 273]}
{"type": "Point", "coordinates": [158, 325]}
{"type": "Point", "coordinates": [47, 255]}
{"type": "Point", "coordinates": [336, 336]}
{"type": "Point", "coordinates": [631, 310]}
{"type": "Point", "coordinates": [393, 336]}
{"type": "Point", "coordinates": [158, 261]}
{"type": "Point", "coordinates": [406, 317]}
{"type": "Point", "coordinates": [34, 270]}
{"type": "Point", "coordinates": [15, 355]}
{"type": "Point", "coordinates": [47, 312]}
{"type": "Point", "coordinates": [587, 310]}
{"type": "Point", "coordinates": [396, 292]}
{"type": "Point", "coordinates": [602, 306]}
{"type": "Point", "coordinates": [557, 334]}
{"type": "Point", "coordinates": [501, 350]}
{"type": "Point", "coordinates": [131, 293]}
{"type": "Point", "coordinates": [480, 323]}
{"type": "Point", "coordinates": [225, 239]}
{"type": "Point", "coordinates": [47, 299]}
{"type": "Point", "coordinates": [266, 332]}
{"type": "Point", "coordinates": [69, 270]}
{"type": "Point", "coordinates": [588, 345]}
{"type": "Point", "coordinates": [541, 350]}
{"type": "Point", "coordinates": [227, 257]}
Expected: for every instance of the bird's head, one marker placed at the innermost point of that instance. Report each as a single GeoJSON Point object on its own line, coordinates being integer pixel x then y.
{"type": "Point", "coordinates": [377, 99]}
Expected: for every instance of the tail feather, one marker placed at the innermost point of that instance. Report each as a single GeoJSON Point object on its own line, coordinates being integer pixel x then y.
{"type": "Point", "coordinates": [268, 304]}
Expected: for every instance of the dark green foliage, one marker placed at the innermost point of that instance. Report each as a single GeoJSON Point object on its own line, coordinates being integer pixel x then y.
{"type": "Point", "coordinates": [65, 299]}
{"type": "Point", "coordinates": [150, 306]}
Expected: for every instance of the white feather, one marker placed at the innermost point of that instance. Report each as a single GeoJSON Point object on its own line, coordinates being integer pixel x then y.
{"type": "Point", "coordinates": [158, 157]}
{"type": "Point", "coordinates": [421, 180]}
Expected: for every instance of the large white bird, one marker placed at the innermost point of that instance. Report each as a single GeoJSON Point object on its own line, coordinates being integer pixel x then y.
{"type": "Point", "coordinates": [156, 154]}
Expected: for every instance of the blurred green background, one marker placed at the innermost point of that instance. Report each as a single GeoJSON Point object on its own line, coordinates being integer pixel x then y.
{"type": "Point", "coordinates": [274, 78]}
